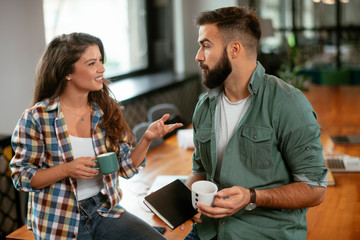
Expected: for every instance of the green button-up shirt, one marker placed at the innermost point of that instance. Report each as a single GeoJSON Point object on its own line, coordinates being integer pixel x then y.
{"type": "Point", "coordinates": [277, 142]}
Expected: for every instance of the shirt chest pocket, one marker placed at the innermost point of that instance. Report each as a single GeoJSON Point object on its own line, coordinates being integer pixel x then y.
{"type": "Point", "coordinates": [256, 147]}
{"type": "Point", "coordinates": [202, 137]}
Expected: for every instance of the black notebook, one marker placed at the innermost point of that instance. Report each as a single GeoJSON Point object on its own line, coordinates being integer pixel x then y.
{"type": "Point", "coordinates": [171, 203]}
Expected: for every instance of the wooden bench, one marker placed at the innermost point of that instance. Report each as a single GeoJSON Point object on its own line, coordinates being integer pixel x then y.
{"type": "Point", "coordinates": [21, 233]}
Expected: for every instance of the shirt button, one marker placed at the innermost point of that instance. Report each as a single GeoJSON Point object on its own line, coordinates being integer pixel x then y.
{"type": "Point", "coordinates": [255, 137]}
{"type": "Point", "coordinates": [307, 148]}
{"type": "Point", "coordinates": [202, 137]}
{"type": "Point", "coordinates": [222, 222]}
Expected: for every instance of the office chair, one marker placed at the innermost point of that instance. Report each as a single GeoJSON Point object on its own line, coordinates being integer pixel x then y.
{"type": "Point", "coordinates": [157, 111]}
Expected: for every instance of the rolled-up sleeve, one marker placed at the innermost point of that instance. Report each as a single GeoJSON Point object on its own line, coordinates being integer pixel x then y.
{"type": "Point", "coordinates": [127, 167]}
{"type": "Point", "coordinates": [28, 146]}
{"type": "Point", "coordinates": [304, 156]}
{"type": "Point", "coordinates": [300, 142]}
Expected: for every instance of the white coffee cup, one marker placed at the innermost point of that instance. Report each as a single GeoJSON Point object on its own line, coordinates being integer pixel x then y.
{"type": "Point", "coordinates": [203, 192]}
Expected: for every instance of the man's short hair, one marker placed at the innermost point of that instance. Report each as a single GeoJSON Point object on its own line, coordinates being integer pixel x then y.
{"type": "Point", "coordinates": [236, 24]}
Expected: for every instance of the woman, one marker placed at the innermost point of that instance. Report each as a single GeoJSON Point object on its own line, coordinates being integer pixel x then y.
{"type": "Point", "coordinates": [72, 120]}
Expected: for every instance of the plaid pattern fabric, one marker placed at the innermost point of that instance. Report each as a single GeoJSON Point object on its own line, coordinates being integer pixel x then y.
{"type": "Point", "coordinates": [41, 140]}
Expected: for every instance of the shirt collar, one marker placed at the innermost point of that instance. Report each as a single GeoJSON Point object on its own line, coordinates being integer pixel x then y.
{"type": "Point", "coordinates": [256, 79]}
{"type": "Point", "coordinates": [215, 91]}
{"type": "Point", "coordinates": [53, 104]}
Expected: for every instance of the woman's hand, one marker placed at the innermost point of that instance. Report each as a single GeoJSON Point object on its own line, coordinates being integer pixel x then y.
{"type": "Point", "coordinates": [156, 130]}
{"type": "Point", "coordinates": [78, 168]}
{"type": "Point", "coordinates": [159, 129]}
{"type": "Point", "coordinates": [82, 168]}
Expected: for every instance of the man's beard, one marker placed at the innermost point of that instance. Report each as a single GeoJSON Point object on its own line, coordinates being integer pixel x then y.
{"type": "Point", "coordinates": [217, 76]}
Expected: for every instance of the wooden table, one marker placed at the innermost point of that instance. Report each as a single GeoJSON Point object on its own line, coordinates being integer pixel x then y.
{"type": "Point", "coordinates": [338, 109]}
{"type": "Point", "coordinates": [338, 217]}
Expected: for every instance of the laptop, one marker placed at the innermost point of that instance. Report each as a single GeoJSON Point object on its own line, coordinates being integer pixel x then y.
{"type": "Point", "coordinates": [343, 163]}
{"type": "Point", "coordinates": [346, 139]}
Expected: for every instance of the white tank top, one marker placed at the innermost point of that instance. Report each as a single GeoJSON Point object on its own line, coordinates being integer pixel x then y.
{"type": "Point", "coordinates": [83, 147]}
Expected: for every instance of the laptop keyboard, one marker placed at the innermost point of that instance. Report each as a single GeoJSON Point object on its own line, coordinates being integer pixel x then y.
{"type": "Point", "coordinates": [343, 163]}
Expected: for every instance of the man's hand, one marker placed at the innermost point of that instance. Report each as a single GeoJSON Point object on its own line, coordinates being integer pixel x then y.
{"type": "Point", "coordinates": [227, 202]}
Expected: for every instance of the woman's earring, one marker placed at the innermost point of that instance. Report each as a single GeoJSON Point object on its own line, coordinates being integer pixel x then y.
{"type": "Point", "coordinates": [68, 78]}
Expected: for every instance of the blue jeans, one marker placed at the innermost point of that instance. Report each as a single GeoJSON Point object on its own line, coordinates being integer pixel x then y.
{"type": "Point", "coordinates": [94, 226]}
{"type": "Point", "coordinates": [193, 236]}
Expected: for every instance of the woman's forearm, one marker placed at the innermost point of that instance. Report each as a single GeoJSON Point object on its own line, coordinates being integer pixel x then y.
{"type": "Point", "coordinates": [139, 152]}
{"type": "Point", "coordinates": [45, 177]}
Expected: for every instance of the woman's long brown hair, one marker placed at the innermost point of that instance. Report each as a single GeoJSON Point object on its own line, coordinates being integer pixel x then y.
{"type": "Point", "coordinates": [58, 61]}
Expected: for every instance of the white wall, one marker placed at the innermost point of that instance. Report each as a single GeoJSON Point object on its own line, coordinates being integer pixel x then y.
{"type": "Point", "coordinates": [22, 41]}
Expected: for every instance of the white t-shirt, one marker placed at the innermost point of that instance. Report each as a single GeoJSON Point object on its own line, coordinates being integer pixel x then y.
{"type": "Point", "coordinates": [83, 147]}
{"type": "Point", "coordinates": [228, 116]}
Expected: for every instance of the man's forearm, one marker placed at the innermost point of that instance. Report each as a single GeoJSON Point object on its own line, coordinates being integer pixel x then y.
{"type": "Point", "coordinates": [292, 196]}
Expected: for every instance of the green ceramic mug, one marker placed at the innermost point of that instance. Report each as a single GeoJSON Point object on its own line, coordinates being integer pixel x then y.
{"type": "Point", "coordinates": [107, 163]}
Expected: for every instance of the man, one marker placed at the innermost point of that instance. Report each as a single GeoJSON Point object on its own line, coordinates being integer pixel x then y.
{"type": "Point", "coordinates": [255, 136]}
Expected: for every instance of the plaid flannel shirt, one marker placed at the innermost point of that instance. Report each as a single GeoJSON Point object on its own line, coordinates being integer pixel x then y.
{"type": "Point", "coordinates": [41, 140]}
